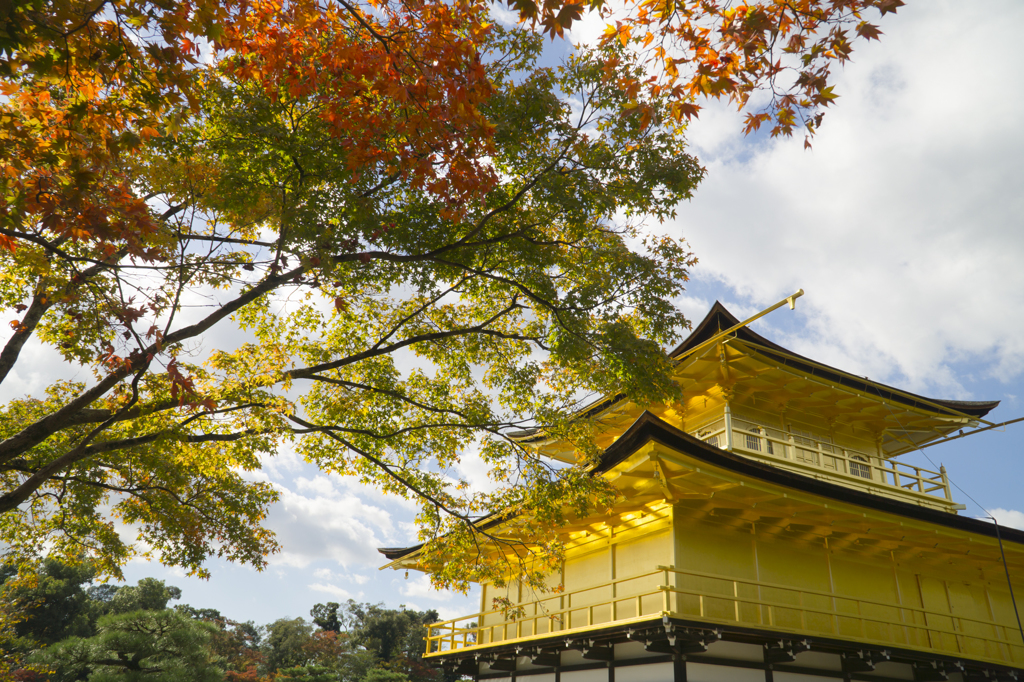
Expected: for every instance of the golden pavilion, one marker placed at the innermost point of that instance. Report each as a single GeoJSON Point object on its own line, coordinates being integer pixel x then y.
{"type": "Point", "coordinates": [767, 531]}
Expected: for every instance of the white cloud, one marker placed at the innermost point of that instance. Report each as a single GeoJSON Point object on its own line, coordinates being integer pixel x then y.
{"type": "Point", "coordinates": [329, 524]}
{"type": "Point", "coordinates": [410, 531]}
{"type": "Point", "coordinates": [1009, 517]}
{"type": "Point", "coordinates": [455, 606]}
{"type": "Point", "coordinates": [285, 463]}
{"type": "Point", "coordinates": [318, 485]}
{"type": "Point", "coordinates": [903, 224]}
{"type": "Point", "coordinates": [472, 467]}
{"type": "Point", "coordinates": [332, 590]}
{"type": "Point", "coordinates": [504, 15]}
{"type": "Point", "coordinates": [372, 493]}
{"type": "Point", "coordinates": [38, 366]}
{"type": "Point", "coordinates": [589, 28]}
{"type": "Point", "coordinates": [418, 586]}
{"type": "Point", "coordinates": [328, 574]}
{"type": "Point", "coordinates": [443, 612]}
{"type": "Point", "coordinates": [451, 613]}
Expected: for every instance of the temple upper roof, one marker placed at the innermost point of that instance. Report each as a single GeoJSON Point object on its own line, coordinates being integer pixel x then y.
{"type": "Point", "coordinates": [719, 319]}
{"type": "Point", "coordinates": [752, 406]}
{"type": "Point", "coordinates": [642, 485]}
{"type": "Point", "coordinates": [760, 376]}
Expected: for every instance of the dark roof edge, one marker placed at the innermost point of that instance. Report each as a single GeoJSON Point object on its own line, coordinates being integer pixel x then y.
{"type": "Point", "coordinates": [649, 427]}
{"type": "Point", "coordinates": [719, 318]}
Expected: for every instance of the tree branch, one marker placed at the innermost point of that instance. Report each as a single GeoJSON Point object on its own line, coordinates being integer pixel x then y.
{"type": "Point", "coordinates": [41, 302]}
{"type": "Point", "coordinates": [42, 429]}
{"type": "Point", "coordinates": [308, 372]}
{"type": "Point", "coordinates": [329, 432]}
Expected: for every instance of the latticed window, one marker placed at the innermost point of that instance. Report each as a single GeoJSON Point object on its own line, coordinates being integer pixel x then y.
{"type": "Point", "coordinates": [754, 441]}
{"type": "Point", "coordinates": [858, 469]}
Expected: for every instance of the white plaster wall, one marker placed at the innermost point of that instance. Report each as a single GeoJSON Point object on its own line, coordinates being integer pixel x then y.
{"type": "Point", "coordinates": [895, 671]}
{"type": "Point", "coordinates": [702, 672]}
{"type": "Point", "coordinates": [599, 675]}
{"type": "Point", "coordinates": [657, 672]}
{"type": "Point", "coordinates": [797, 677]}
{"type": "Point", "coordinates": [735, 650]}
{"type": "Point", "coordinates": [819, 660]}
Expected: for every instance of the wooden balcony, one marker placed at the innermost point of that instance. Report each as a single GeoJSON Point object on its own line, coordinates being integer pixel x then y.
{"type": "Point", "coordinates": [719, 600]}
{"type": "Point", "coordinates": [828, 461]}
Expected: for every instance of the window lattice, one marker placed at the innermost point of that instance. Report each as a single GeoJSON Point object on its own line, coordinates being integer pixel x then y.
{"type": "Point", "coordinates": [858, 469]}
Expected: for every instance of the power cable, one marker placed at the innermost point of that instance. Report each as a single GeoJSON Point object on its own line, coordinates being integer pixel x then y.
{"type": "Point", "coordinates": [1006, 568]}
{"type": "Point", "coordinates": [999, 536]}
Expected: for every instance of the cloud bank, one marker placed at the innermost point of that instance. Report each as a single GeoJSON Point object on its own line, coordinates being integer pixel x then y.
{"type": "Point", "coordinates": [903, 224]}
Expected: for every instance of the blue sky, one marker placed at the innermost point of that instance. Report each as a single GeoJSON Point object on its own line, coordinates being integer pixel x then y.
{"type": "Point", "coordinates": [903, 226]}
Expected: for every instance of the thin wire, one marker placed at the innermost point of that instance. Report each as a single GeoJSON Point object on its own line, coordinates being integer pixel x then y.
{"type": "Point", "coordinates": [1007, 569]}
{"type": "Point", "coordinates": [999, 537]}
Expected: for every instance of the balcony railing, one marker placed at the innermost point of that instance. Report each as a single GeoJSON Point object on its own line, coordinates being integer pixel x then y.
{"type": "Point", "coordinates": [725, 600]}
{"type": "Point", "coordinates": [626, 599]}
{"type": "Point", "coordinates": [822, 459]}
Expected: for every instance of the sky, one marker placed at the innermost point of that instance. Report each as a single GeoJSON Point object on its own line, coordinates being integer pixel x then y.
{"type": "Point", "coordinates": [903, 226]}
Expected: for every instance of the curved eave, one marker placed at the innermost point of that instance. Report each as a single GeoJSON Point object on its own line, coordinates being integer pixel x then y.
{"type": "Point", "coordinates": [649, 427]}
{"type": "Point", "coordinates": [719, 318]}
{"type": "Point", "coordinates": [396, 553]}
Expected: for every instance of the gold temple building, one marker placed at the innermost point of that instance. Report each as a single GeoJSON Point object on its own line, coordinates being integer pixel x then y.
{"type": "Point", "coordinates": [767, 531]}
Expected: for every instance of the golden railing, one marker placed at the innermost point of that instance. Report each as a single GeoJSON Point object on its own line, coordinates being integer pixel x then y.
{"type": "Point", "coordinates": [781, 607]}
{"type": "Point", "coordinates": [716, 599]}
{"type": "Point", "coordinates": [555, 612]}
{"type": "Point", "coordinates": [815, 457]}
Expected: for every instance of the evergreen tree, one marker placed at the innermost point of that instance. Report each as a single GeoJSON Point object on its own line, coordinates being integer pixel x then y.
{"type": "Point", "coordinates": [51, 605]}
{"type": "Point", "coordinates": [155, 646]}
{"type": "Point", "coordinates": [325, 616]}
{"type": "Point", "coordinates": [149, 595]}
{"type": "Point", "coordinates": [287, 644]}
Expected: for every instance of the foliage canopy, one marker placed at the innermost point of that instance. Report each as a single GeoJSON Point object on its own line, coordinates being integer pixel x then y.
{"type": "Point", "coordinates": [382, 234]}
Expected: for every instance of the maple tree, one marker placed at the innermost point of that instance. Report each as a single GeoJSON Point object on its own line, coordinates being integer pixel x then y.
{"type": "Point", "coordinates": [84, 84]}
{"type": "Point", "coordinates": [337, 270]}
{"type": "Point", "coordinates": [785, 48]}
{"type": "Point", "coordinates": [426, 239]}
